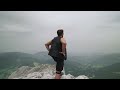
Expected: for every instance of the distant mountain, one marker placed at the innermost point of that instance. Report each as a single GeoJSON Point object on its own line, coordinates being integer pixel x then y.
{"type": "Point", "coordinates": [108, 72]}
{"type": "Point", "coordinates": [44, 58]}
{"type": "Point", "coordinates": [16, 58]}
{"type": "Point", "coordinates": [106, 60]}
{"type": "Point", "coordinates": [43, 53]}
{"type": "Point", "coordinates": [88, 65]}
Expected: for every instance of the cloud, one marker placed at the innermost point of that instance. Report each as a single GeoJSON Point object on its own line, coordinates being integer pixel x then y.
{"type": "Point", "coordinates": [85, 31]}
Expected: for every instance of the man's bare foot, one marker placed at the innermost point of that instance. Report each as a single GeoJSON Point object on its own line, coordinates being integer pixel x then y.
{"type": "Point", "coordinates": [58, 76]}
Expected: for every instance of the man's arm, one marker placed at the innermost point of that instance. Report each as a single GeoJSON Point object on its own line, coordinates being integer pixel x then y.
{"type": "Point", "coordinates": [64, 44]}
{"type": "Point", "coordinates": [48, 44]}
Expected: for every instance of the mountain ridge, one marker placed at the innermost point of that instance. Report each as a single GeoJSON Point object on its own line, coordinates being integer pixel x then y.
{"type": "Point", "coordinates": [43, 71]}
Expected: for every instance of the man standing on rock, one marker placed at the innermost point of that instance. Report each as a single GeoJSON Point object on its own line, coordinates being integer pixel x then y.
{"type": "Point", "coordinates": [58, 51]}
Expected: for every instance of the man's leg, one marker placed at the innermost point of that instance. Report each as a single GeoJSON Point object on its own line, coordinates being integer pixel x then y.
{"type": "Point", "coordinates": [59, 68]}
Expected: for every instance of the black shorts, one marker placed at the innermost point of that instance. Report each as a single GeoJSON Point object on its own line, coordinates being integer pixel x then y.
{"type": "Point", "coordinates": [59, 63]}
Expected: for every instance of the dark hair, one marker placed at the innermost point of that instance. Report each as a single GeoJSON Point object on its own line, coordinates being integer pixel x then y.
{"type": "Point", "coordinates": [60, 32]}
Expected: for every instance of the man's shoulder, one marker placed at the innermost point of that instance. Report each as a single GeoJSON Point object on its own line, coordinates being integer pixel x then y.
{"type": "Point", "coordinates": [63, 40]}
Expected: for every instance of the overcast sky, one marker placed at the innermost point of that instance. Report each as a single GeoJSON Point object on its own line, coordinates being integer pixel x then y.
{"type": "Point", "coordinates": [85, 31]}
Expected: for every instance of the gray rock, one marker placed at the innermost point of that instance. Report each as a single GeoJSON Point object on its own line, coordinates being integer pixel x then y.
{"type": "Point", "coordinates": [43, 71]}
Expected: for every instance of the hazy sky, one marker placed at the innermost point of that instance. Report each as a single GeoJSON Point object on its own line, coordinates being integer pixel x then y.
{"type": "Point", "coordinates": [85, 31]}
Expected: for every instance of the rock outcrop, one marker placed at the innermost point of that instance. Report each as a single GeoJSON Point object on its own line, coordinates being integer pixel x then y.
{"type": "Point", "coordinates": [43, 71]}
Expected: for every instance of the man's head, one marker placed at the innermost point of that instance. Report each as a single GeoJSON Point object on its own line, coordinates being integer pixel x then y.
{"type": "Point", "coordinates": [60, 32]}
